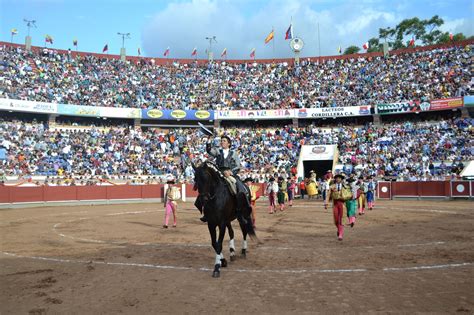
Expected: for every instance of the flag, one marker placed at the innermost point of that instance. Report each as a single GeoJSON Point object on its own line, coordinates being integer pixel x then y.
{"type": "Point", "coordinates": [412, 42]}
{"type": "Point", "coordinates": [139, 51]}
{"type": "Point", "coordinates": [224, 53]}
{"type": "Point", "coordinates": [167, 52]}
{"type": "Point", "coordinates": [366, 45]}
{"type": "Point", "coordinates": [74, 42]}
{"type": "Point", "coordinates": [269, 37]}
{"type": "Point", "coordinates": [289, 32]}
{"type": "Point", "coordinates": [14, 31]}
{"type": "Point", "coordinates": [194, 53]}
{"type": "Point", "coordinates": [339, 50]}
{"type": "Point", "coordinates": [252, 53]}
{"type": "Point", "coordinates": [451, 36]}
{"type": "Point", "coordinates": [106, 48]}
{"type": "Point", "coordinates": [48, 39]}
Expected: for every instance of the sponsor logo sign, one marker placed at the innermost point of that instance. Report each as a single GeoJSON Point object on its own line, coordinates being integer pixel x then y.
{"type": "Point", "coordinates": [318, 149]}
{"type": "Point", "coordinates": [155, 113]}
{"type": "Point", "coordinates": [402, 107]}
{"type": "Point", "coordinates": [178, 114]}
{"type": "Point", "coordinates": [254, 114]}
{"type": "Point", "coordinates": [333, 112]}
{"type": "Point", "coordinates": [447, 103]}
{"type": "Point", "coordinates": [28, 106]}
{"type": "Point", "coordinates": [78, 110]}
{"type": "Point", "coordinates": [120, 112]}
{"type": "Point", "coordinates": [202, 114]}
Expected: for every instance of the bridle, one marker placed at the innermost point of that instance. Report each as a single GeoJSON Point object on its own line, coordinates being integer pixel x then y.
{"type": "Point", "coordinates": [205, 197]}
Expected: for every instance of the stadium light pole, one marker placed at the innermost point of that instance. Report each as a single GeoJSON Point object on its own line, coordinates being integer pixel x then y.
{"type": "Point", "coordinates": [122, 50]}
{"type": "Point", "coordinates": [29, 24]}
{"type": "Point", "coordinates": [210, 55]}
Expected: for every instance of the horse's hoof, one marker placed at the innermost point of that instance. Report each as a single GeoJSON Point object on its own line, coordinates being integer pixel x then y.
{"type": "Point", "coordinates": [244, 253]}
{"type": "Point", "coordinates": [216, 274]}
{"type": "Point", "coordinates": [223, 263]}
{"type": "Point", "coordinates": [232, 258]}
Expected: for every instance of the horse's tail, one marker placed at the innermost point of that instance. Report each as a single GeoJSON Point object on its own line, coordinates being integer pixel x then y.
{"type": "Point", "coordinates": [246, 223]}
{"type": "Point", "coordinates": [250, 229]}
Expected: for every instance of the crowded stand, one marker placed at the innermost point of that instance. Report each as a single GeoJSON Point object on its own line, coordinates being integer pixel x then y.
{"type": "Point", "coordinates": [50, 76]}
{"type": "Point", "coordinates": [66, 154]}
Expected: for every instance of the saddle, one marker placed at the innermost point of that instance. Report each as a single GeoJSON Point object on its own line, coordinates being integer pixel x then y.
{"type": "Point", "coordinates": [230, 180]}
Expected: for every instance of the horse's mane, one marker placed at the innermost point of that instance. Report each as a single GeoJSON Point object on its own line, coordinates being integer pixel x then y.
{"type": "Point", "coordinates": [213, 166]}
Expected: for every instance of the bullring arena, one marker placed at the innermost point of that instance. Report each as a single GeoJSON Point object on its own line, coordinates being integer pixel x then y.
{"type": "Point", "coordinates": [402, 257]}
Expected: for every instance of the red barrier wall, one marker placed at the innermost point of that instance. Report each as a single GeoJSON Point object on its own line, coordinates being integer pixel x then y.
{"type": "Point", "coordinates": [57, 193]}
{"type": "Point", "coordinates": [4, 194]}
{"type": "Point", "coordinates": [26, 194]}
{"type": "Point", "coordinates": [190, 192]}
{"type": "Point", "coordinates": [124, 192]}
{"type": "Point", "coordinates": [152, 191]}
{"type": "Point", "coordinates": [405, 188]}
{"type": "Point", "coordinates": [428, 189]}
{"type": "Point", "coordinates": [12, 194]}
{"type": "Point", "coordinates": [86, 193]}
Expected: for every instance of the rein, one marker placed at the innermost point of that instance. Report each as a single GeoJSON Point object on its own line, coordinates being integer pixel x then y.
{"type": "Point", "coordinates": [207, 197]}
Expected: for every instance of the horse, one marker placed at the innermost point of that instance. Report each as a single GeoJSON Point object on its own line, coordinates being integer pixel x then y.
{"type": "Point", "coordinates": [219, 206]}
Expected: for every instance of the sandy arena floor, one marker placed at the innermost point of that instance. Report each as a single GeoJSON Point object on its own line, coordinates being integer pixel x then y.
{"type": "Point", "coordinates": [402, 257]}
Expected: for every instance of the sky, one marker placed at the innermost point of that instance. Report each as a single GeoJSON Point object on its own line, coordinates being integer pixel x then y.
{"type": "Point", "coordinates": [239, 25]}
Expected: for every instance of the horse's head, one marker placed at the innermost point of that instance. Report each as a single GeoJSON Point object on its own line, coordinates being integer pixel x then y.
{"type": "Point", "coordinates": [205, 180]}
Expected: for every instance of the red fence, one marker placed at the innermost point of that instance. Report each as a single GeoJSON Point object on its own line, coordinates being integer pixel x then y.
{"type": "Point", "coordinates": [385, 190]}
{"type": "Point", "coordinates": [12, 194]}
{"type": "Point", "coordinates": [453, 189]}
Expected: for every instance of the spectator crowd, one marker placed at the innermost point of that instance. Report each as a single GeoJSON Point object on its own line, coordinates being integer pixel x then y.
{"type": "Point", "coordinates": [50, 76]}
{"type": "Point", "coordinates": [405, 151]}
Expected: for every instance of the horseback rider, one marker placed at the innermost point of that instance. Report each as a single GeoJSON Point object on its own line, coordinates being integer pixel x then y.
{"type": "Point", "coordinates": [228, 162]}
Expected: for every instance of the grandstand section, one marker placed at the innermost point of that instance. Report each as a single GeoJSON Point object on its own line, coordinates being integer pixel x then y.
{"type": "Point", "coordinates": [398, 118]}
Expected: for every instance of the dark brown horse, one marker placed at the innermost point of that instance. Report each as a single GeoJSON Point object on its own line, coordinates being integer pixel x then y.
{"type": "Point", "coordinates": [219, 206]}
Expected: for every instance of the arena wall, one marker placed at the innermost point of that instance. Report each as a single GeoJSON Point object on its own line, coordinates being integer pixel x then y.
{"type": "Point", "coordinates": [385, 190]}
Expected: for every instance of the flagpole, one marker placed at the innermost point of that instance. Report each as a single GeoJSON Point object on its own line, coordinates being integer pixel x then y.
{"type": "Point", "coordinates": [273, 39]}
{"type": "Point", "coordinates": [319, 43]}
{"type": "Point", "coordinates": [11, 40]}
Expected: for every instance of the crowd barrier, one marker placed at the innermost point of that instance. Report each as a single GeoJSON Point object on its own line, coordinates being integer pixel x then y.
{"type": "Point", "coordinates": [385, 190]}
{"type": "Point", "coordinates": [14, 194]}
{"type": "Point", "coordinates": [447, 189]}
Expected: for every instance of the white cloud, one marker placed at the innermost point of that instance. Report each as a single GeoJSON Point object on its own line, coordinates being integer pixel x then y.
{"type": "Point", "coordinates": [241, 25]}
{"type": "Point", "coordinates": [458, 26]}
{"type": "Point", "coordinates": [363, 21]}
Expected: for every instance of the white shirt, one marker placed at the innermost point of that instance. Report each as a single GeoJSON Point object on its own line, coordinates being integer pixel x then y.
{"type": "Point", "coordinates": [225, 152]}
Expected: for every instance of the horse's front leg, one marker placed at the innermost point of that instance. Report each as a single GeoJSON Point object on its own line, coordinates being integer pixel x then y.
{"type": "Point", "coordinates": [212, 232]}
{"type": "Point", "coordinates": [220, 260]}
{"type": "Point", "coordinates": [231, 242]}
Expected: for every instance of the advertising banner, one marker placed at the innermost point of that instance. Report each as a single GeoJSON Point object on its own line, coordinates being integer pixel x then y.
{"type": "Point", "coordinates": [120, 112]}
{"type": "Point", "coordinates": [469, 100]}
{"type": "Point", "coordinates": [254, 114]}
{"type": "Point", "coordinates": [177, 114]}
{"type": "Point", "coordinates": [28, 106]}
{"type": "Point", "coordinates": [447, 103]}
{"type": "Point", "coordinates": [333, 112]}
{"type": "Point", "coordinates": [78, 110]}
{"type": "Point", "coordinates": [402, 107]}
